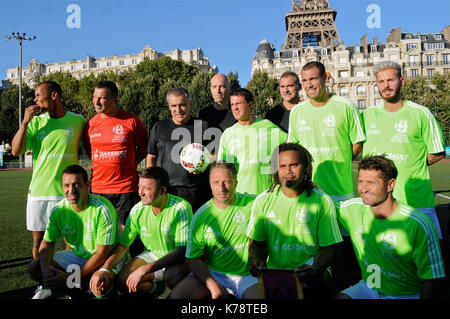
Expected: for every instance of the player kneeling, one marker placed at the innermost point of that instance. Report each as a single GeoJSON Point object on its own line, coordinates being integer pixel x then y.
{"type": "Point", "coordinates": [217, 250]}
{"type": "Point", "coordinates": [162, 221]}
{"type": "Point", "coordinates": [397, 247]}
{"type": "Point", "coordinates": [88, 224]}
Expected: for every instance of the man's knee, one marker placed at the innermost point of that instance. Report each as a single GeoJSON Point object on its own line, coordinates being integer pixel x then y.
{"type": "Point", "coordinates": [34, 269]}
{"type": "Point", "coordinates": [173, 275]}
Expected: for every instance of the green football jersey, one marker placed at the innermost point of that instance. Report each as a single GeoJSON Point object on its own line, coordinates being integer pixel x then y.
{"type": "Point", "coordinates": [54, 143]}
{"type": "Point", "coordinates": [328, 133]}
{"type": "Point", "coordinates": [406, 137]}
{"type": "Point", "coordinates": [162, 233]}
{"type": "Point", "coordinates": [250, 148]}
{"type": "Point", "coordinates": [403, 249]}
{"type": "Point", "coordinates": [217, 236]}
{"type": "Point", "coordinates": [293, 228]}
{"type": "Point", "coordinates": [83, 231]}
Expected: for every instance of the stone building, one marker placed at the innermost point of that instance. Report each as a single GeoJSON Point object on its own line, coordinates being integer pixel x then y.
{"type": "Point", "coordinates": [115, 63]}
{"type": "Point", "coordinates": [350, 68]}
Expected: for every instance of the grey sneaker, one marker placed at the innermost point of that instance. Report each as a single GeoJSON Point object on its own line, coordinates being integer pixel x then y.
{"type": "Point", "coordinates": [42, 293]}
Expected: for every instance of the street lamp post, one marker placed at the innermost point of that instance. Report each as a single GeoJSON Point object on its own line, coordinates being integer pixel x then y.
{"type": "Point", "coordinates": [20, 37]}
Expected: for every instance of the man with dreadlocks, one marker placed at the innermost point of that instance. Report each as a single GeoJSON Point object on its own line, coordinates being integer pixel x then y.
{"type": "Point", "coordinates": [293, 224]}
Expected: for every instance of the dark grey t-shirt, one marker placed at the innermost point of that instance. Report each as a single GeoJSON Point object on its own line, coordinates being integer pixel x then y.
{"type": "Point", "coordinates": [279, 115]}
{"type": "Point", "coordinates": [166, 141]}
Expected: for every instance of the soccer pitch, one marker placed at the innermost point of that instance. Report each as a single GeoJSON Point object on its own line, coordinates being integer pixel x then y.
{"type": "Point", "coordinates": [15, 240]}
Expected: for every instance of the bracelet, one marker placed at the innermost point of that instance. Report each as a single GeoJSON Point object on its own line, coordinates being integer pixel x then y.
{"type": "Point", "coordinates": [105, 270]}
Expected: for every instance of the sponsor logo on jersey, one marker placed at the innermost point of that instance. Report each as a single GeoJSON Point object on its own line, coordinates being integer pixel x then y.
{"type": "Point", "coordinates": [68, 131]}
{"type": "Point", "coordinates": [271, 215]}
{"type": "Point", "coordinates": [302, 215]}
{"type": "Point", "coordinates": [239, 218]}
{"type": "Point", "coordinates": [330, 120]}
{"type": "Point", "coordinates": [118, 129]}
{"type": "Point", "coordinates": [389, 240]}
{"type": "Point", "coordinates": [401, 126]}
{"type": "Point", "coordinates": [373, 130]}
{"type": "Point", "coordinates": [95, 135]}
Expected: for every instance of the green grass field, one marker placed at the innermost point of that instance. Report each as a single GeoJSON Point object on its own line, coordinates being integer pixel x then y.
{"type": "Point", "coordinates": [15, 240]}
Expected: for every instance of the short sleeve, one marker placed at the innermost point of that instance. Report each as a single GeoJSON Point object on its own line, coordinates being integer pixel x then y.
{"type": "Point", "coordinates": [182, 227]}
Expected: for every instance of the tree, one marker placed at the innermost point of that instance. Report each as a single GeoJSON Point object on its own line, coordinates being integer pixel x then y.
{"type": "Point", "coordinates": [434, 94]}
{"type": "Point", "coordinates": [9, 109]}
{"type": "Point", "coordinates": [233, 78]}
{"type": "Point", "coordinates": [200, 92]}
{"type": "Point", "coordinates": [265, 93]}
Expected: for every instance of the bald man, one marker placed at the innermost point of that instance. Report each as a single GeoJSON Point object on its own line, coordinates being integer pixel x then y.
{"type": "Point", "coordinates": [218, 114]}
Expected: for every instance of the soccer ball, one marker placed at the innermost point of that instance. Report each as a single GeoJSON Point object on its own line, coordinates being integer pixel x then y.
{"type": "Point", "coordinates": [195, 158]}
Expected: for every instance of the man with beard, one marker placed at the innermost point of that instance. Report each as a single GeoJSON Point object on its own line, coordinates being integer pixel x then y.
{"type": "Point", "coordinates": [397, 247]}
{"type": "Point", "coordinates": [289, 87]}
{"type": "Point", "coordinates": [87, 224]}
{"type": "Point", "coordinates": [293, 224]}
{"type": "Point", "coordinates": [409, 135]}
{"type": "Point", "coordinates": [54, 138]}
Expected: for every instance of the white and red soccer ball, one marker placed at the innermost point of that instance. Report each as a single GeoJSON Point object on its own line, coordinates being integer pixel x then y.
{"type": "Point", "coordinates": [195, 158]}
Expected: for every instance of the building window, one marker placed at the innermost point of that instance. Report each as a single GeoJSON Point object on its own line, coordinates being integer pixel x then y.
{"type": "Point", "coordinates": [429, 59]}
{"type": "Point", "coordinates": [277, 65]}
{"type": "Point", "coordinates": [414, 73]}
{"type": "Point", "coordinates": [134, 61]}
{"type": "Point", "coordinates": [343, 91]}
{"type": "Point", "coordinates": [121, 62]}
{"type": "Point", "coordinates": [359, 73]}
{"type": "Point", "coordinates": [13, 75]}
{"type": "Point", "coordinates": [438, 36]}
{"type": "Point", "coordinates": [414, 59]}
{"type": "Point", "coordinates": [323, 51]}
{"type": "Point", "coordinates": [357, 49]}
{"type": "Point", "coordinates": [446, 59]}
{"type": "Point", "coordinates": [410, 46]}
{"type": "Point", "coordinates": [72, 67]}
{"type": "Point", "coordinates": [361, 90]}
{"type": "Point", "coordinates": [361, 104]}
{"type": "Point", "coordinates": [295, 53]}
{"type": "Point", "coordinates": [373, 48]}
{"type": "Point", "coordinates": [343, 74]}
{"type": "Point", "coordinates": [430, 72]}
{"type": "Point", "coordinates": [61, 68]}
{"type": "Point", "coordinates": [24, 73]}
{"type": "Point", "coordinates": [342, 60]}
{"type": "Point", "coordinates": [108, 63]}
{"type": "Point", "coordinates": [446, 71]}
{"type": "Point", "coordinates": [378, 102]}
{"type": "Point", "coordinates": [264, 65]}
{"type": "Point", "coordinates": [375, 89]}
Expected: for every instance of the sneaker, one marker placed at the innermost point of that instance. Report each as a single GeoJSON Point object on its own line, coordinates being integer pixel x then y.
{"type": "Point", "coordinates": [42, 293]}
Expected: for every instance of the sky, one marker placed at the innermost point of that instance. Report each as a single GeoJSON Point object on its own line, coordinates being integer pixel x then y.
{"type": "Point", "coordinates": [228, 31]}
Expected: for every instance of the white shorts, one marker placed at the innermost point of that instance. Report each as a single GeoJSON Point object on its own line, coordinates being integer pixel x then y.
{"type": "Point", "coordinates": [362, 291]}
{"type": "Point", "coordinates": [235, 285]}
{"type": "Point", "coordinates": [431, 212]}
{"type": "Point", "coordinates": [65, 258]}
{"type": "Point", "coordinates": [38, 213]}
{"type": "Point", "coordinates": [149, 257]}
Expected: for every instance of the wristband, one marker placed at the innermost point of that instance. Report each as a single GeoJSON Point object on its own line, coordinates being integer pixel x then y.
{"type": "Point", "coordinates": [105, 270]}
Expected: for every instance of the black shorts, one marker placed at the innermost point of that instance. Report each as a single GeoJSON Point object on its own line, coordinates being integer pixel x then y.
{"type": "Point", "coordinates": [123, 203]}
{"type": "Point", "coordinates": [196, 195]}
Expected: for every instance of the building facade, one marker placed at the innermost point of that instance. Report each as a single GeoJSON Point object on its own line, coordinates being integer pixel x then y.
{"type": "Point", "coordinates": [115, 63]}
{"type": "Point", "coordinates": [350, 68]}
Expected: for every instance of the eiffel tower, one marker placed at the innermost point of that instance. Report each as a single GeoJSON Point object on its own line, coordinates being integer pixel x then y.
{"type": "Point", "coordinates": [311, 22]}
